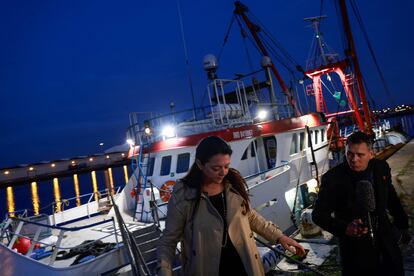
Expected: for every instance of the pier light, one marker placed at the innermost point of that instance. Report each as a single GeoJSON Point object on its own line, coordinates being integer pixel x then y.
{"type": "Point", "coordinates": [53, 165]}
{"type": "Point", "coordinates": [130, 142]}
{"type": "Point", "coordinates": [123, 154]}
{"type": "Point", "coordinates": [107, 157]}
{"type": "Point", "coordinates": [91, 159]}
{"type": "Point", "coordinates": [6, 172]}
{"type": "Point", "coordinates": [168, 131]}
{"type": "Point", "coordinates": [31, 169]}
{"type": "Point", "coordinates": [262, 114]}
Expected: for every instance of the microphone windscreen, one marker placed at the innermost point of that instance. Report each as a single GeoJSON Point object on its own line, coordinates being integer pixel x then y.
{"type": "Point", "coordinates": [365, 196]}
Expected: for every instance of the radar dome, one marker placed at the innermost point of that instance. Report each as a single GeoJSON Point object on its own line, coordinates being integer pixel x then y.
{"type": "Point", "coordinates": [210, 62]}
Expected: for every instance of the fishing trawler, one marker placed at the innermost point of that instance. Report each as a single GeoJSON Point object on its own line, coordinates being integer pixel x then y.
{"type": "Point", "coordinates": [280, 152]}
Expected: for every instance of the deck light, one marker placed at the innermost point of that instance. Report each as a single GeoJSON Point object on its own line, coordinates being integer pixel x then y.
{"type": "Point", "coordinates": [130, 142]}
{"type": "Point", "coordinates": [6, 172]}
{"type": "Point", "coordinates": [31, 169]}
{"type": "Point", "coordinates": [107, 157]}
{"type": "Point", "coordinates": [91, 159]}
{"type": "Point", "coordinates": [147, 127]}
{"type": "Point", "coordinates": [168, 132]}
{"type": "Point", "coordinates": [73, 162]}
{"type": "Point", "coordinates": [53, 165]}
{"type": "Point", "coordinates": [262, 114]}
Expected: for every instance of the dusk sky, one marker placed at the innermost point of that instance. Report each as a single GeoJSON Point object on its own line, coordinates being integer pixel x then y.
{"type": "Point", "coordinates": [71, 71]}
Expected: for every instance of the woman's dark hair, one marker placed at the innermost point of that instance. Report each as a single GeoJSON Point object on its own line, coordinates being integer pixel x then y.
{"type": "Point", "coordinates": [207, 148]}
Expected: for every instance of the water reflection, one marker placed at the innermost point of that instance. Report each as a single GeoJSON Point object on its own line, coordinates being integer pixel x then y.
{"type": "Point", "coordinates": [111, 180]}
{"type": "Point", "coordinates": [35, 198]}
{"type": "Point", "coordinates": [35, 191]}
{"type": "Point", "coordinates": [126, 174]}
{"type": "Point", "coordinates": [10, 201]}
{"type": "Point", "coordinates": [56, 191]}
{"type": "Point", "coordinates": [95, 185]}
{"type": "Point", "coordinates": [76, 184]}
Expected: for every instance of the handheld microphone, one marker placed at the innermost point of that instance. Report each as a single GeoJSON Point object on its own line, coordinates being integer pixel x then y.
{"type": "Point", "coordinates": [365, 200]}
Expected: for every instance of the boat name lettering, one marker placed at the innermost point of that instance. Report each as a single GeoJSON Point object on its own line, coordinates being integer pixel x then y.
{"type": "Point", "coordinates": [242, 134]}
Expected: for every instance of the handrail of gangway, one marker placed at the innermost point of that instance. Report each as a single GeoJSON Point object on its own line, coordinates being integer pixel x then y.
{"type": "Point", "coordinates": [134, 253]}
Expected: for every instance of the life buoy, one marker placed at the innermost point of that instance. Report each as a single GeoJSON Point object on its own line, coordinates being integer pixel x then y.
{"type": "Point", "coordinates": [166, 190]}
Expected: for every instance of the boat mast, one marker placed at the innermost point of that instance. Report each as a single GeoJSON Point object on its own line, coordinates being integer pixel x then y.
{"type": "Point", "coordinates": [351, 53]}
{"type": "Point", "coordinates": [241, 10]}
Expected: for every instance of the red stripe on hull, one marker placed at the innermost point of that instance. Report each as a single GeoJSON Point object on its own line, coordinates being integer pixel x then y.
{"type": "Point", "coordinates": [238, 133]}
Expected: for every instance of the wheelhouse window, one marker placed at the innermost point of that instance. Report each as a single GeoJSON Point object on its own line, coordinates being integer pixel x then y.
{"type": "Point", "coordinates": [302, 141]}
{"type": "Point", "coordinates": [253, 147]}
{"type": "Point", "coordinates": [322, 135]}
{"type": "Point", "coordinates": [165, 165]}
{"type": "Point", "coordinates": [294, 144]}
{"type": "Point", "coordinates": [150, 168]}
{"type": "Point", "coordinates": [244, 156]}
{"type": "Point", "coordinates": [183, 162]}
{"type": "Point", "coordinates": [316, 136]}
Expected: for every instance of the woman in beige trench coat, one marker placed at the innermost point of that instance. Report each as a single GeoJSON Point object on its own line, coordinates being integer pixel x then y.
{"type": "Point", "coordinates": [209, 212]}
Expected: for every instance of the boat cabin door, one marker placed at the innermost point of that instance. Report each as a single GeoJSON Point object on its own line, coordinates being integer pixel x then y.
{"type": "Point", "coordinates": [270, 147]}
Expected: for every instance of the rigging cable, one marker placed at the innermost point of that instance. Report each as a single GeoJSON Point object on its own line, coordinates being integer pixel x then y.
{"type": "Point", "coordinates": [371, 50]}
{"type": "Point", "coordinates": [306, 96]}
{"type": "Point", "coordinates": [226, 37]}
{"type": "Point", "coordinates": [321, 9]}
{"type": "Point", "coordinates": [187, 62]}
{"type": "Point", "coordinates": [297, 94]}
{"type": "Point", "coordinates": [275, 42]}
{"type": "Point", "coordinates": [251, 40]}
{"type": "Point", "coordinates": [249, 60]}
{"type": "Point", "coordinates": [341, 27]}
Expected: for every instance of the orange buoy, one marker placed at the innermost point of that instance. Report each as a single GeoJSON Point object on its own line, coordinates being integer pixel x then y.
{"type": "Point", "coordinates": [166, 190]}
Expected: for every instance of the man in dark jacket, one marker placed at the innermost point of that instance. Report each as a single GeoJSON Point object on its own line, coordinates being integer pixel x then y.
{"type": "Point", "coordinates": [368, 240]}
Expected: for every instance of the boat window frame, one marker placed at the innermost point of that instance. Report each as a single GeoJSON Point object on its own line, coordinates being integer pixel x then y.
{"type": "Point", "coordinates": [162, 172]}
{"type": "Point", "coordinates": [294, 144]}
{"type": "Point", "coordinates": [245, 154]}
{"type": "Point", "coordinates": [151, 166]}
{"type": "Point", "coordinates": [186, 155]}
{"type": "Point", "coordinates": [252, 148]}
{"type": "Point", "coordinates": [302, 141]}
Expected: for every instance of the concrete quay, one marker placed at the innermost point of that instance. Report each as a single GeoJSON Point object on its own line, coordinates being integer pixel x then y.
{"type": "Point", "coordinates": [402, 171]}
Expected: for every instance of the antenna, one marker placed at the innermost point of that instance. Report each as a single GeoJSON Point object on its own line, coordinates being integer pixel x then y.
{"type": "Point", "coordinates": [325, 53]}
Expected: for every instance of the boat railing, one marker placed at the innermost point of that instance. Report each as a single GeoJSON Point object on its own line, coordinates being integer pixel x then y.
{"type": "Point", "coordinates": [20, 222]}
{"type": "Point", "coordinates": [225, 110]}
{"type": "Point", "coordinates": [88, 210]}
{"type": "Point", "coordinates": [229, 102]}
{"type": "Point", "coordinates": [268, 173]}
{"type": "Point", "coordinates": [185, 120]}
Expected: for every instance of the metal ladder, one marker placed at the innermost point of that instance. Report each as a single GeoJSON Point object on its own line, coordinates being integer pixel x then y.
{"type": "Point", "coordinates": [140, 166]}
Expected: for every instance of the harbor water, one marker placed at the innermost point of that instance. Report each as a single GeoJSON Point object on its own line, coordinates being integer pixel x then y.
{"type": "Point", "coordinates": [37, 197]}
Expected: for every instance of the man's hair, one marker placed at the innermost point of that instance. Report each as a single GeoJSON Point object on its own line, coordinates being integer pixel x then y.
{"type": "Point", "coordinates": [359, 137]}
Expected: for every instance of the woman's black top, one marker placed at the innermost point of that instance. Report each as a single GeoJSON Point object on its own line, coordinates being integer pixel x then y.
{"type": "Point", "coordinates": [230, 262]}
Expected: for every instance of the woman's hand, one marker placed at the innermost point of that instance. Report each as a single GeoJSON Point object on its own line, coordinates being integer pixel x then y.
{"type": "Point", "coordinates": [292, 246]}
